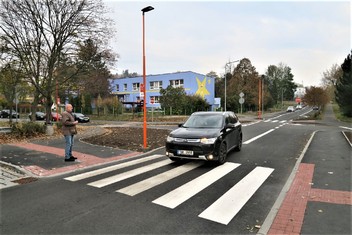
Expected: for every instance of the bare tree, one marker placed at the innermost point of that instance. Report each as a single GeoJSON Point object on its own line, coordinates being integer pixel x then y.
{"type": "Point", "coordinates": [316, 96]}
{"type": "Point", "coordinates": [332, 75]}
{"type": "Point", "coordinates": [37, 33]}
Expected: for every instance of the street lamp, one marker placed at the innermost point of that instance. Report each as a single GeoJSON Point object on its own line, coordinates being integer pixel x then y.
{"type": "Point", "coordinates": [227, 64]}
{"type": "Point", "coordinates": [144, 10]}
{"type": "Point", "coordinates": [260, 98]}
{"type": "Point", "coordinates": [263, 90]}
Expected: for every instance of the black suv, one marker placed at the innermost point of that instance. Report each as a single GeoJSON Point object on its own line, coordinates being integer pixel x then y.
{"type": "Point", "coordinates": [207, 136]}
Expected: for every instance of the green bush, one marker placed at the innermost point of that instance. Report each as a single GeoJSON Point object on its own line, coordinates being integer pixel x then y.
{"type": "Point", "coordinates": [27, 129]}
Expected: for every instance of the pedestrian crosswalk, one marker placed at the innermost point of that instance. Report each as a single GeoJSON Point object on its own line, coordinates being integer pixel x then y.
{"type": "Point", "coordinates": [227, 206]}
{"type": "Point", "coordinates": [188, 190]}
{"type": "Point", "coordinates": [222, 211]}
{"type": "Point", "coordinates": [276, 121]}
{"type": "Point", "coordinates": [270, 120]}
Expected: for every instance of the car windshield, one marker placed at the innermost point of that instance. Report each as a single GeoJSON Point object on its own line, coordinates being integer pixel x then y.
{"type": "Point", "coordinates": [204, 121]}
{"type": "Point", "coordinates": [79, 114]}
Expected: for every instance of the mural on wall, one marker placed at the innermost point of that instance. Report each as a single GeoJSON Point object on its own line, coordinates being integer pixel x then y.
{"type": "Point", "coordinates": [202, 89]}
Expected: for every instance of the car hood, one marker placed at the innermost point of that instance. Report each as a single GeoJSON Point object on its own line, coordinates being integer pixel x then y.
{"type": "Point", "coordinates": [195, 133]}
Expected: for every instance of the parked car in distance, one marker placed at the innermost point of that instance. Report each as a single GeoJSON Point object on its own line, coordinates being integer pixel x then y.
{"type": "Point", "coordinates": [290, 109]}
{"type": "Point", "coordinates": [298, 107]}
{"type": "Point", "coordinates": [5, 113]}
{"type": "Point", "coordinates": [55, 116]}
{"type": "Point", "coordinates": [80, 117]}
{"type": "Point", "coordinates": [38, 116]}
{"type": "Point", "coordinates": [206, 136]}
{"type": "Point", "coordinates": [315, 107]}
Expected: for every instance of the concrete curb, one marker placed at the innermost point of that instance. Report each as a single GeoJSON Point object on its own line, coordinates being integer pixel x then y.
{"type": "Point", "coordinates": [348, 140]}
{"type": "Point", "coordinates": [11, 173]}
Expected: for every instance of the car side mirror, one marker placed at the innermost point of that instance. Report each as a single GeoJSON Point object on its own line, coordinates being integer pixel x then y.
{"type": "Point", "coordinates": [229, 125]}
{"type": "Point", "coordinates": [180, 125]}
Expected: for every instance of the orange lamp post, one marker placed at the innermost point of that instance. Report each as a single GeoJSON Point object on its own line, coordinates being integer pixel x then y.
{"type": "Point", "coordinates": [144, 10]}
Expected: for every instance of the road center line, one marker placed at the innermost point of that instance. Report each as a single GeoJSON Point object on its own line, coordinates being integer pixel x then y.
{"type": "Point", "coordinates": [257, 137]}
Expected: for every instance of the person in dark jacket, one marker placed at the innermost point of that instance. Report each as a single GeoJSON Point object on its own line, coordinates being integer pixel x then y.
{"type": "Point", "coordinates": [68, 130]}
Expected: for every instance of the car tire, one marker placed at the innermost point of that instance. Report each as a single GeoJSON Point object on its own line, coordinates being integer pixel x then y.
{"type": "Point", "coordinates": [222, 153]}
{"type": "Point", "coordinates": [239, 146]}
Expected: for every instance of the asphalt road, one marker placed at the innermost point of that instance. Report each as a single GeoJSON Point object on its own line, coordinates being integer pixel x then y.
{"type": "Point", "coordinates": [190, 197]}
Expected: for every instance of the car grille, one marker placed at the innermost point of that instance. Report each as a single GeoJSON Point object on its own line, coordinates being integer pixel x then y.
{"type": "Point", "coordinates": [173, 147]}
{"type": "Point", "coordinates": [182, 140]}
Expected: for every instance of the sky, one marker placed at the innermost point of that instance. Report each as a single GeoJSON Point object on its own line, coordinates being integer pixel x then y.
{"type": "Point", "coordinates": [202, 36]}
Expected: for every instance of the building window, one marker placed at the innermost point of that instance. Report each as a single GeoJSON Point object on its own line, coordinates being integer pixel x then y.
{"type": "Point", "coordinates": [155, 98]}
{"type": "Point", "coordinates": [176, 83]}
{"type": "Point", "coordinates": [135, 87]}
{"type": "Point", "coordinates": [117, 87]}
{"type": "Point", "coordinates": [156, 85]}
{"type": "Point", "coordinates": [125, 87]}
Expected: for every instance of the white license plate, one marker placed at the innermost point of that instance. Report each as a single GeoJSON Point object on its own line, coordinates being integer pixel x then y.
{"type": "Point", "coordinates": [185, 152]}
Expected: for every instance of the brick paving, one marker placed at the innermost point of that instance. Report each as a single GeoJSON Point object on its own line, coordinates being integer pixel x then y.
{"type": "Point", "coordinates": [290, 217]}
{"type": "Point", "coordinates": [83, 160]}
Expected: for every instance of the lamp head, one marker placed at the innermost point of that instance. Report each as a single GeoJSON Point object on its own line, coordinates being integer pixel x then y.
{"type": "Point", "coordinates": [146, 9]}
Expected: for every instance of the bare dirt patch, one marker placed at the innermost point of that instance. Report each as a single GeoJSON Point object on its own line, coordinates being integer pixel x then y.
{"type": "Point", "coordinates": [130, 138]}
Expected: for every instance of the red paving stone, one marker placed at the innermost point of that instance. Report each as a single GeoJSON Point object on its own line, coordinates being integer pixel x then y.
{"type": "Point", "coordinates": [289, 219]}
{"type": "Point", "coordinates": [84, 160]}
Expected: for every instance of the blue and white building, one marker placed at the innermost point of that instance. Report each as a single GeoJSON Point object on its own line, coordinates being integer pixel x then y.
{"type": "Point", "coordinates": [128, 90]}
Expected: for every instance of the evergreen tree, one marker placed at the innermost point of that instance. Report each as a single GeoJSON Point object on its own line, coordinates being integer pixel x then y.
{"type": "Point", "coordinates": [343, 90]}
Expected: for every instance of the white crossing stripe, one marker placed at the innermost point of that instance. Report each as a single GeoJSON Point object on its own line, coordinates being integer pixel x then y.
{"type": "Point", "coordinates": [227, 206]}
{"type": "Point", "coordinates": [283, 121]}
{"type": "Point", "coordinates": [111, 168]}
{"type": "Point", "coordinates": [188, 190]}
{"type": "Point", "coordinates": [119, 177]}
{"type": "Point", "coordinates": [158, 179]}
{"type": "Point", "coordinates": [275, 121]}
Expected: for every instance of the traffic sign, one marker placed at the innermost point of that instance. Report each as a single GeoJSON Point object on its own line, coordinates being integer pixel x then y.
{"type": "Point", "coordinates": [241, 100]}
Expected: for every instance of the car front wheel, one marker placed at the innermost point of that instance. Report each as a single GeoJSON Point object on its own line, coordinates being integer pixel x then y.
{"type": "Point", "coordinates": [222, 153]}
{"type": "Point", "coordinates": [239, 145]}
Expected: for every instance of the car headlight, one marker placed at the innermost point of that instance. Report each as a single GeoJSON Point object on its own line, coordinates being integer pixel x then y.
{"type": "Point", "coordinates": [169, 139]}
{"type": "Point", "coordinates": [208, 140]}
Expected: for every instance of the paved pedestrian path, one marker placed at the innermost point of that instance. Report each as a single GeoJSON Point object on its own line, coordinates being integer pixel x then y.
{"type": "Point", "coordinates": [319, 199]}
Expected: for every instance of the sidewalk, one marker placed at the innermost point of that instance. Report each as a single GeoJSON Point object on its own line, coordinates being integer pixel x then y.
{"type": "Point", "coordinates": [318, 200]}
{"type": "Point", "coordinates": [41, 158]}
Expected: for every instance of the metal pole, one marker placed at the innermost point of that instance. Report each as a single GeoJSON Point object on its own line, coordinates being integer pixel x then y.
{"type": "Point", "coordinates": [146, 9]}
{"type": "Point", "coordinates": [144, 93]}
{"type": "Point", "coordinates": [16, 100]}
{"type": "Point", "coordinates": [225, 89]}
{"type": "Point", "coordinates": [57, 99]}
{"type": "Point", "coordinates": [259, 98]}
{"type": "Point", "coordinates": [228, 63]}
{"type": "Point", "coordinates": [263, 77]}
